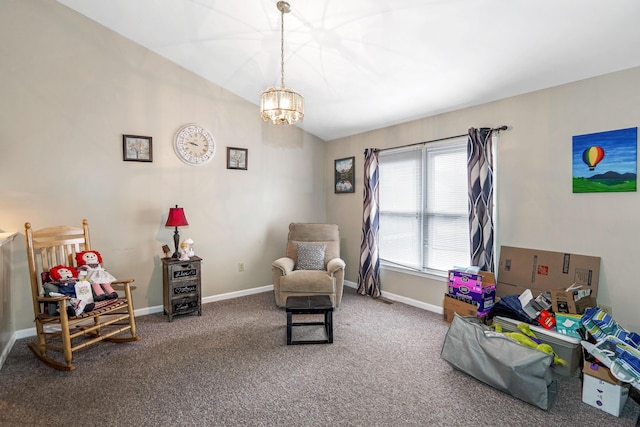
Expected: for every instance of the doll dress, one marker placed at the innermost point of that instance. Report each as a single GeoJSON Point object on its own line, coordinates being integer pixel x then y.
{"type": "Point", "coordinates": [97, 274]}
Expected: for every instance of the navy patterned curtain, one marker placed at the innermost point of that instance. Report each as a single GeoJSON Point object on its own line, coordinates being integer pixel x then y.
{"type": "Point", "coordinates": [480, 175]}
{"type": "Point", "coordinates": [369, 274]}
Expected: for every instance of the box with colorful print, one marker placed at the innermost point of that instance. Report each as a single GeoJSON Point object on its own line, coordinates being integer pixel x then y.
{"type": "Point", "coordinates": [475, 288]}
{"type": "Point", "coordinates": [569, 324]}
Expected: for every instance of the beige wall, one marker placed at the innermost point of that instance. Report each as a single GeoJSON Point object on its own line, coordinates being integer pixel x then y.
{"type": "Point", "coordinates": [537, 208]}
{"type": "Point", "coordinates": [70, 88]}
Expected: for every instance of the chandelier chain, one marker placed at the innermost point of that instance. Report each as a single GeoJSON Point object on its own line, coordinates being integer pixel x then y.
{"type": "Point", "coordinates": [282, 48]}
{"type": "Point", "coordinates": [281, 105]}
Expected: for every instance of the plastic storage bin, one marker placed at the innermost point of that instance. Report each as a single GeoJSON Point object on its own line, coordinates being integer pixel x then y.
{"type": "Point", "coordinates": [568, 348]}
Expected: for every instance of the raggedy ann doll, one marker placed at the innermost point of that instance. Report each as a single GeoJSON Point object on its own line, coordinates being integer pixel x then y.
{"type": "Point", "coordinates": [100, 278]}
{"type": "Point", "coordinates": [63, 283]}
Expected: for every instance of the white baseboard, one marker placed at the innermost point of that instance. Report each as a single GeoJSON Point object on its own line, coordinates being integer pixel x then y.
{"type": "Point", "coordinates": [237, 294]}
{"type": "Point", "coordinates": [404, 300]}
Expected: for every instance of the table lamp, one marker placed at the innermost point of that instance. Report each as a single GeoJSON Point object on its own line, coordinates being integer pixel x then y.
{"type": "Point", "coordinates": [176, 219]}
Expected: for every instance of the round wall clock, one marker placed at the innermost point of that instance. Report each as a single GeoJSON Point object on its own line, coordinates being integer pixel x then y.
{"type": "Point", "coordinates": [194, 145]}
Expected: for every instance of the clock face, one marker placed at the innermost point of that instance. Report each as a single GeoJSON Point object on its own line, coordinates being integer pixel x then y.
{"type": "Point", "coordinates": [194, 145]}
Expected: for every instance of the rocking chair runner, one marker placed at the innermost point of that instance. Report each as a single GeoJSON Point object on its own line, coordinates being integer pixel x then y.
{"type": "Point", "coordinates": [47, 248]}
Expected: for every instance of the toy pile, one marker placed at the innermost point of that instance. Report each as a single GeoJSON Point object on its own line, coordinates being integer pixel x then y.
{"type": "Point", "coordinates": [87, 287]}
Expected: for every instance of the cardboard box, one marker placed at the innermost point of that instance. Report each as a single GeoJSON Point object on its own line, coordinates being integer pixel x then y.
{"type": "Point", "coordinates": [478, 289]}
{"type": "Point", "coordinates": [542, 271]}
{"type": "Point", "coordinates": [603, 390]}
{"type": "Point", "coordinates": [600, 372]}
{"type": "Point", "coordinates": [452, 305]}
{"type": "Point", "coordinates": [565, 302]}
{"type": "Point", "coordinates": [568, 324]}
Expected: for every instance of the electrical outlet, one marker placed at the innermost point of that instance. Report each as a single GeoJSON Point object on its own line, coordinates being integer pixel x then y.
{"type": "Point", "coordinates": [606, 308]}
{"type": "Point", "coordinates": [240, 267]}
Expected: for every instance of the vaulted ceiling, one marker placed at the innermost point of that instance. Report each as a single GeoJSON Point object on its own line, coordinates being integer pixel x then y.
{"type": "Point", "coordinates": [367, 64]}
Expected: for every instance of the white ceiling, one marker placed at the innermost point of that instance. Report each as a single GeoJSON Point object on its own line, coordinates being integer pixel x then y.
{"type": "Point", "coordinates": [367, 64]}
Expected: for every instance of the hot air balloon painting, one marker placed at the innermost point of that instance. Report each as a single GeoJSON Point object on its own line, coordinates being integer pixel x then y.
{"type": "Point", "coordinates": [592, 156]}
{"type": "Point", "coordinates": [605, 162]}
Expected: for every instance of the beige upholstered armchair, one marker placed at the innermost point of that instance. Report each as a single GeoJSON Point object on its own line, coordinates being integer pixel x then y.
{"type": "Point", "coordinates": [312, 265]}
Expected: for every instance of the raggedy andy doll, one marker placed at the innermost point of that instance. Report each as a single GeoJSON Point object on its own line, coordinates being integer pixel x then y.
{"type": "Point", "coordinates": [99, 278]}
{"type": "Point", "coordinates": [63, 279]}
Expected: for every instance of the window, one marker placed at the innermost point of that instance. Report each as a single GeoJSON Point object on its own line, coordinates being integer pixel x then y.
{"type": "Point", "coordinates": [424, 220]}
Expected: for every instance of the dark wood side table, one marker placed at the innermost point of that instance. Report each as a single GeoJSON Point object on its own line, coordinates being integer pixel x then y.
{"type": "Point", "coordinates": [181, 286]}
{"type": "Point", "coordinates": [316, 304]}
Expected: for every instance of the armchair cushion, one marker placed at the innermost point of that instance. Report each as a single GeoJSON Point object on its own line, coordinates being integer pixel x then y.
{"type": "Point", "coordinates": [310, 256]}
{"type": "Point", "coordinates": [315, 281]}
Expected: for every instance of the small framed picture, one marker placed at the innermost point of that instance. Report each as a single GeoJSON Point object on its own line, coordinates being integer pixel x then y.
{"type": "Point", "coordinates": [345, 175]}
{"type": "Point", "coordinates": [136, 148]}
{"type": "Point", "coordinates": [237, 158]}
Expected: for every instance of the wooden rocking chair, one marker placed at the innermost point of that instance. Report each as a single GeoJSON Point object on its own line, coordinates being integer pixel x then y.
{"type": "Point", "coordinates": [53, 246]}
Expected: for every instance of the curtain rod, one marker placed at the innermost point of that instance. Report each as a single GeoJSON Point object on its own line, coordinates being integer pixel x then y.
{"type": "Point", "coordinates": [498, 129]}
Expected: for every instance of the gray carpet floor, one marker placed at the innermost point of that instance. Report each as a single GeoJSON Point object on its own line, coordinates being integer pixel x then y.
{"type": "Point", "coordinates": [232, 367]}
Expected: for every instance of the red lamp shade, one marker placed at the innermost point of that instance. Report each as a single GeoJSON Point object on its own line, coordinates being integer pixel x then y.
{"type": "Point", "coordinates": [176, 218]}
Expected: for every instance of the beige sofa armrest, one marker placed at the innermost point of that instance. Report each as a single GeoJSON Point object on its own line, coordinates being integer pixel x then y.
{"type": "Point", "coordinates": [334, 265]}
{"type": "Point", "coordinates": [284, 264]}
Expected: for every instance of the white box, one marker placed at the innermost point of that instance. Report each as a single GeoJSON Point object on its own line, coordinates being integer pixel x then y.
{"type": "Point", "coordinates": [603, 395]}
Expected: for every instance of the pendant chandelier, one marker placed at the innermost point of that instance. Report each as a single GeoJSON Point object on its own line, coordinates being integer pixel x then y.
{"type": "Point", "coordinates": [281, 104]}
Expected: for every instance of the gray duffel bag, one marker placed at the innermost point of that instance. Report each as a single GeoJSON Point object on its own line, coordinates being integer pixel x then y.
{"type": "Point", "coordinates": [500, 362]}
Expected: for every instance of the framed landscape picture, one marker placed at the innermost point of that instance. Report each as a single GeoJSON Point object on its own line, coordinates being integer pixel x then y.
{"type": "Point", "coordinates": [345, 175]}
{"type": "Point", "coordinates": [605, 162]}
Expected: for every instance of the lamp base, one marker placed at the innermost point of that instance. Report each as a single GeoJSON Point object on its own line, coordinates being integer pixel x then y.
{"type": "Point", "coordinates": [176, 242]}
